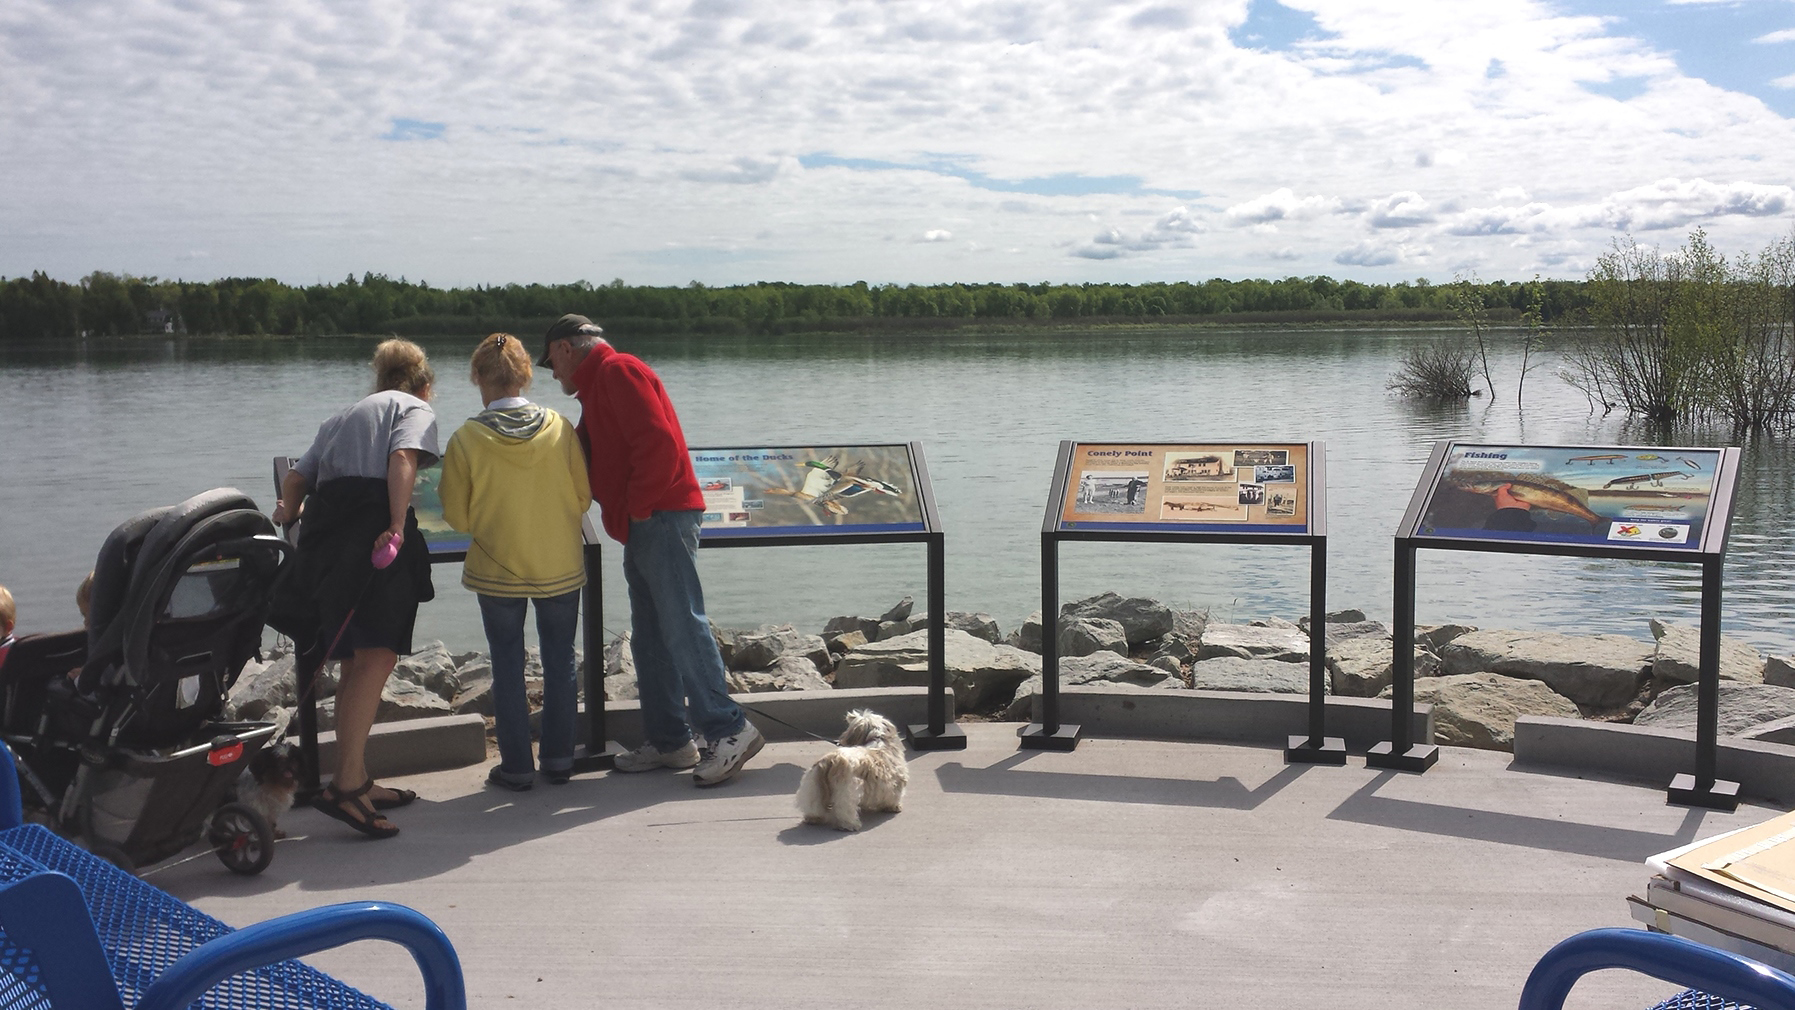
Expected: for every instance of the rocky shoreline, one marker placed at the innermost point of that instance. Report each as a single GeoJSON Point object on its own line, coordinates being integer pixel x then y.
{"type": "Point", "coordinates": [1478, 680]}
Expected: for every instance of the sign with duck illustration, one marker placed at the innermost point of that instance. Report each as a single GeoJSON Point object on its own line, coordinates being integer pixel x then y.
{"type": "Point", "coordinates": [1642, 497]}
{"type": "Point", "coordinates": [1231, 487]}
{"type": "Point", "coordinates": [843, 489]}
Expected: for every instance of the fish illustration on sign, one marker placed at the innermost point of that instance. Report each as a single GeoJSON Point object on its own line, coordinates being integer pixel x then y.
{"type": "Point", "coordinates": [1534, 490]}
{"type": "Point", "coordinates": [1655, 479]}
{"type": "Point", "coordinates": [1609, 458]}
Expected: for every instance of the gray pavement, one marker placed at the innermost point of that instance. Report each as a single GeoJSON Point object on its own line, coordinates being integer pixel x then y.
{"type": "Point", "coordinates": [1128, 873]}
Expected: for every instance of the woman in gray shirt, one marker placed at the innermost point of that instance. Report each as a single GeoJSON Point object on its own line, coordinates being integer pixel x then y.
{"type": "Point", "coordinates": [354, 487]}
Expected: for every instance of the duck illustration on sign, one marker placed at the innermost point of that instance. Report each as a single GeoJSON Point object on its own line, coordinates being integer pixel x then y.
{"type": "Point", "coordinates": [830, 487]}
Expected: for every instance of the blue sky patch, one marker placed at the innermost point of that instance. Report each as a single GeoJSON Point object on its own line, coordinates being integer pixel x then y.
{"type": "Point", "coordinates": [1711, 41]}
{"type": "Point", "coordinates": [1273, 26]}
{"type": "Point", "coordinates": [414, 129]}
{"type": "Point", "coordinates": [1060, 184]}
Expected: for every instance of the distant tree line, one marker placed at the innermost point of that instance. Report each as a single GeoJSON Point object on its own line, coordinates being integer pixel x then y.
{"type": "Point", "coordinates": [101, 304]}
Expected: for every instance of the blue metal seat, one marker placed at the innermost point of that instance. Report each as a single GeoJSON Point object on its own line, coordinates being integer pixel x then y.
{"type": "Point", "coordinates": [1717, 979]}
{"type": "Point", "coordinates": [76, 931]}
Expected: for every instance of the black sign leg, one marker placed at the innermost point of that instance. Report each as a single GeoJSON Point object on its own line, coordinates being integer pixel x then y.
{"type": "Point", "coordinates": [937, 734]}
{"type": "Point", "coordinates": [1317, 747]}
{"type": "Point", "coordinates": [305, 682]}
{"type": "Point", "coordinates": [1048, 734]}
{"type": "Point", "coordinates": [597, 754]}
{"type": "Point", "coordinates": [1400, 753]}
{"type": "Point", "coordinates": [1704, 789]}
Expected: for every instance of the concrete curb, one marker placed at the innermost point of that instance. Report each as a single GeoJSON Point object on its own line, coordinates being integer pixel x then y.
{"type": "Point", "coordinates": [1266, 719]}
{"type": "Point", "coordinates": [823, 713]}
{"type": "Point", "coordinates": [1651, 756]}
{"type": "Point", "coordinates": [415, 746]}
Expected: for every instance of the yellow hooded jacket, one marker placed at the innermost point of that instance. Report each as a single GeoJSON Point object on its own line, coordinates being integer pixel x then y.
{"type": "Point", "coordinates": [514, 479]}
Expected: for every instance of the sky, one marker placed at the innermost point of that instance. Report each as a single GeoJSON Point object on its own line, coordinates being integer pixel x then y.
{"type": "Point", "coordinates": [890, 141]}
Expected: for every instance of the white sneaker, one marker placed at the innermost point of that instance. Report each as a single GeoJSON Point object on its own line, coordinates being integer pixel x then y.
{"type": "Point", "coordinates": [721, 760]}
{"type": "Point", "coordinates": [648, 757]}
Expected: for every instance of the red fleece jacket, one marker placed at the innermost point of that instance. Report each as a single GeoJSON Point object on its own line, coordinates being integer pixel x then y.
{"type": "Point", "coordinates": [636, 451]}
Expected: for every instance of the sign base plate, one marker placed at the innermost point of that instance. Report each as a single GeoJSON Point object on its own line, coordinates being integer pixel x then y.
{"type": "Point", "coordinates": [1034, 736]}
{"type": "Point", "coordinates": [1417, 758]}
{"type": "Point", "coordinates": [1300, 751]}
{"type": "Point", "coordinates": [951, 737]}
{"type": "Point", "coordinates": [1719, 795]}
{"type": "Point", "coordinates": [586, 759]}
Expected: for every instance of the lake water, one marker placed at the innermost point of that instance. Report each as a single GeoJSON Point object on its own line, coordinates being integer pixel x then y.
{"type": "Point", "coordinates": [94, 433]}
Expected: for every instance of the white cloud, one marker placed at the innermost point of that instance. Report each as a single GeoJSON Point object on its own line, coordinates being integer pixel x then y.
{"type": "Point", "coordinates": [299, 140]}
{"type": "Point", "coordinates": [937, 235]}
{"type": "Point", "coordinates": [1400, 210]}
{"type": "Point", "coordinates": [1786, 35]}
{"type": "Point", "coordinates": [1784, 82]}
{"type": "Point", "coordinates": [1278, 205]}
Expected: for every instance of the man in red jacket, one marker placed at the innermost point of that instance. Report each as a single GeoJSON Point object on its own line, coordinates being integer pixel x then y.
{"type": "Point", "coordinates": [648, 496]}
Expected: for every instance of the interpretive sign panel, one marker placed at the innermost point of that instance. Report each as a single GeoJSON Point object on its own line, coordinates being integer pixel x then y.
{"type": "Point", "coordinates": [1612, 496]}
{"type": "Point", "coordinates": [426, 500]}
{"type": "Point", "coordinates": [1219, 487]}
{"type": "Point", "coordinates": [843, 490]}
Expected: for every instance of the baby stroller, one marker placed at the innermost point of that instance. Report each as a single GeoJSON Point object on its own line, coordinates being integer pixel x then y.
{"type": "Point", "coordinates": [128, 756]}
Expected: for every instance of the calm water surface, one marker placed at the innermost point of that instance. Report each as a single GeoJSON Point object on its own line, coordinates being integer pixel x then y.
{"type": "Point", "coordinates": [96, 433]}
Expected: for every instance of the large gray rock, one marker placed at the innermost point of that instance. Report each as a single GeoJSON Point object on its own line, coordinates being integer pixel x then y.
{"type": "Point", "coordinates": [1479, 709]}
{"type": "Point", "coordinates": [1277, 622]}
{"type": "Point", "coordinates": [1245, 641]}
{"type": "Point", "coordinates": [1260, 676]}
{"type": "Point", "coordinates": [1678, 659]}
{"type": "Point", "coordinates": [893, 629]}
{"type": "Point", "coordinates": [261, 688]}
{"type": "Point", "coordinates": [432, 668]}
{"type": "Point", "coordinates": [1742, 707]}
{"type": "Point", "coordinates": [1435, 636]}
{"type": "Point", "coordinates": [762, 647]}
{"type": "Point", "coordinates": [1598, 671]}
{"type": "Point", "coordinates": [1175, 649]}
{"type": "Point", "coordinates": [1028, 637]}
{"type": "Point", "coordinates": [1188, 625]}
{"type": "Point", "coordinates": [620, 669]}
{"type": "Point", "coordinates": [977, 625]}
{"type": "Point", "coordinates": [404, 699]}
{"type": "Point", "coordinates": [1780, 670]}
{"type": "Point", "coordinates": [981, 675]}
{"type": "Point", "coordinates": [1142, 620]}
{"type": "Point", "coordinates": [1354, 631]}
{"type": "Point", "coordinates": [1780, 731]}
{"type": "Point", "coordinates": [788, 673]}
{"type": "Point", "coordinates": [899, 612]}
{"type": "Point", "coordinates": [1081, 636]}
{"type": "Point", "coordinates": [848, 641]}
{"type": "Point", "coordinates": [475, 693]}
{"type": "Point", "coordinates": [839, 626]}
{"type": "Point", "coordinates": [1097, 668]}
{"type": "Point", "coordinates": [1361, 667]}
{"type": "Point", "coordinates": [725, 640]}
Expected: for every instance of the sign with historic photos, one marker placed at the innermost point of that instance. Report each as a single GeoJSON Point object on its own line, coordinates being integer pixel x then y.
{"type": "Point", "coordinates": [1614, 496]}
{"type": "Point", "coordinates": [1233, 487]}
{"type": "Point", "coordinates": [842, 489]}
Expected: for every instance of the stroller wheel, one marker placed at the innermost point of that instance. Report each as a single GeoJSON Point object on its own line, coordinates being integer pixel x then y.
{"type": "Point", "coordinates": [242, 838]}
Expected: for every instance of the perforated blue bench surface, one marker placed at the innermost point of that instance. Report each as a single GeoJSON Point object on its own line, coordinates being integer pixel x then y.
{"type": "Point", "coordinates": [144, 930]}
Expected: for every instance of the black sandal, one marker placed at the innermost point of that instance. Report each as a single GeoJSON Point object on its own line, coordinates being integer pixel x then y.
{"type": "Point", "coordinates": [329, 802]}
{"type": "Point", "coordinates": [401, 798]}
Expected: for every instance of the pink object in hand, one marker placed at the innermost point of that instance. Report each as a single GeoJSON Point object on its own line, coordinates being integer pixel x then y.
{"type": "Point", "coordinates": [384, 556]}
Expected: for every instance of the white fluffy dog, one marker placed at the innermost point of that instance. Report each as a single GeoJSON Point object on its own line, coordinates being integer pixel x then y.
{"type": "Point", "coordinates": [867, 774]}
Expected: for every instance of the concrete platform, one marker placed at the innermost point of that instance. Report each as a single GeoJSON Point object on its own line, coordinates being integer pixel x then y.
{"type": "Point", "coordinates": [1129, 873]}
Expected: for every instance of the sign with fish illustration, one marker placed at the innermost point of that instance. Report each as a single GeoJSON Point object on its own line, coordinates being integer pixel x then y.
{"type": "Point", "coordinates": [1211, 487]}
{"type": "Point", "coordinates": [1638, 497]}
{"type": "Point", "coordinates": [831, 490]}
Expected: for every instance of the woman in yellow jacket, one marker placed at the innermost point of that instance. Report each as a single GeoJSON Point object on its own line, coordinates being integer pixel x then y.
{"type": "Point", "coordinates": [514, 479]}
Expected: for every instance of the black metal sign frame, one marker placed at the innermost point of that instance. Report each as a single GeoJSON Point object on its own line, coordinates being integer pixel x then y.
{"type": "Point", "coordinates": [1401, 753]}
{"type": "Point", "coordinates": [1050, 734]}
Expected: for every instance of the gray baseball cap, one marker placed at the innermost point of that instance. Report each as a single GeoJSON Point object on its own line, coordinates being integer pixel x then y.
{"type": "Point", "coordinates": [565, 327]}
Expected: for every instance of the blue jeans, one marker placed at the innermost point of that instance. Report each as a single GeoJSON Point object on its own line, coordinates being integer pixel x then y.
{"type": "Point", "coordinates": [679, 672]}
{"type": "Point", "coordinates": [556, 619]}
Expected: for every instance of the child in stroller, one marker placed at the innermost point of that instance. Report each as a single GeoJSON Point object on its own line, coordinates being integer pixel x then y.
{"type": "Point", "coordinates": [129, 757]}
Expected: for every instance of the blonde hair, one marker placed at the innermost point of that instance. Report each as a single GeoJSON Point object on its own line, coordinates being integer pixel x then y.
{"type": "Point", "coordinates": [501, 362]}
{"type": "Point", "coordinates": [84, 596]}
{"type": "Point", "coordinates": [401, 364]}
{"type": "Point", "coordinates": [9, 612]}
